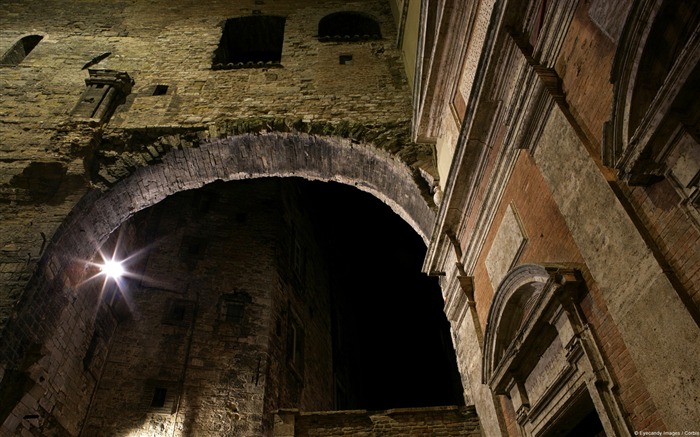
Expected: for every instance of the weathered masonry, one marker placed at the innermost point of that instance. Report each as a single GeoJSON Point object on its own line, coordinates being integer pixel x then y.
{"type": "Point", "coordinates": [547, 153]}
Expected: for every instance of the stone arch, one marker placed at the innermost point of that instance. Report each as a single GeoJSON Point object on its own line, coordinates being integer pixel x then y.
{"type": "Point", "coordinates": [654, 70]}
{"type": "Point", "coordinates": [512, 304]}
{"type": "Point", "coordinates": [52, 298]}
{"type": "Point", "coordinates": [251, 156]}
{"type": "Point", "coordinates": [535, 324]}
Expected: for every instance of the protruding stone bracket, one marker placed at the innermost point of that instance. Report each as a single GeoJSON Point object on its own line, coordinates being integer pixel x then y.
{"type": "Point", "coordinates": [106, 89]}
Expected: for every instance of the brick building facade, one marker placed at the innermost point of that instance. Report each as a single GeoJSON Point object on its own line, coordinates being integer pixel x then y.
{"type": "Point", "coordinates": [546, 153]}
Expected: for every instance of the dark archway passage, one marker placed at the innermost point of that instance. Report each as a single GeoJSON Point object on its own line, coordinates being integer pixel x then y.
{"type": "Point", "coordinates": [55, 294]}
{"type": "Point", "coordinates": [395, 337]}
{"type": "Point", "coordinates": [272, 293]}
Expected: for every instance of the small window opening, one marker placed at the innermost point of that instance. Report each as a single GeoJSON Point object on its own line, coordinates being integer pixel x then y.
{"type": "Point", "coordinates": [160, 397]}
{"type": "Point", "coordinates": [234, 306]}
{"type": "Point", "coordinates": [20, 50]}
{"type": "Point", "coordinates": [160, 90]}
{"type": "Point", "coordinates": [295, 344]}
{"type": "Point", "coordinates": [348, 26]}
{"type": "Point", "coordinates": [159, 394]}
{"type": "Point", "coordinates": [90, 353]}
{"type": "Point", "coordinates": [235, 312]}
{"type": "Point", "coordinates": [345, 59]}
{"type": "Point", "coordinates": [177, 312]}
{"type": "Point", "coordinates": [250, 42]}
{"type": "Point", "coordinates": [278, 327]}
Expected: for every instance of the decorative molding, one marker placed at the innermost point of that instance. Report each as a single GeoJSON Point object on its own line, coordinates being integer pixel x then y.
{"type": "Point", "coordinates": [438, 72]}
{"type": "Point", "coordinates": [638, 148]}
{"type": "Point", "coordinates": [539, 351]}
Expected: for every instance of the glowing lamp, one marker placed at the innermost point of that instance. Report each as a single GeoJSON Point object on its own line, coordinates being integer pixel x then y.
{"type": "Point", "coordinates": [113, 269]}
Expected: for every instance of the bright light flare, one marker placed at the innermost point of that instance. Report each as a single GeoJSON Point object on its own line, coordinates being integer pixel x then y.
{"type": "Point", "coordinates": [112, 269]}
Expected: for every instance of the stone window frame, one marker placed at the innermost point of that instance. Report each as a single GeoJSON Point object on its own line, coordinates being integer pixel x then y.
{"type": "Point", "coordinates": [240, 300]}
{"type": "Point", "coordinates": [535, 323]}
{"type": "Point", "coordinates": [20, 50]}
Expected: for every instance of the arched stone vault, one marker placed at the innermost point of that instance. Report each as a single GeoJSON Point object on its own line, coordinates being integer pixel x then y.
{"type": "Point", "coordinates": [239, 157]}
{"type": "Point", "coordinates": [259, 155]}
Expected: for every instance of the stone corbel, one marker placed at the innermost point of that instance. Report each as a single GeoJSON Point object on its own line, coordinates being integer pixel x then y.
{"type": "Point", "coordinates": [521, 403]}
{"type": "Point", "coordinates": [106, 89]}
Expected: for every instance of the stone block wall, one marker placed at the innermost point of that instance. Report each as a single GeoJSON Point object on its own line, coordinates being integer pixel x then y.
{"type": "Point", "coordinates": [413, 422]}
{"type": "Point", "coordinates": [197, 338]}
{"type": "Point", "coordinates": [48, 159]}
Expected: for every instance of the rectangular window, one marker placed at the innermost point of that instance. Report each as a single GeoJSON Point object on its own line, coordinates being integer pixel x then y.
{"type": "Point", "coordinates": [160, 397]}
{"type": "Point", "coordinates": [160, 90]}
{"type": "Point", "coordinates": [233, 306]}
{"type": "Point", "coordinates": [295, 344]}
{"type": "Point", "coordinates": [235, 312]}
{"type": "Point", "coordinates": [250, 42]}
{"type": "Point", "coordinates": [178, 312]}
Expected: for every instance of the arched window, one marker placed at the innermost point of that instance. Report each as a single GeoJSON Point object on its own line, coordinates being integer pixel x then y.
{"type": "Point", "coordinates": [539, 353]}
{"type": "Point", "coordinates": [348, 26]}
{"type": "Point", "coordinates": [249, 42]}
{"type": "Point", "coordinates": [653, 130]}
{"type": "Point", "coordinates": [20, 50]}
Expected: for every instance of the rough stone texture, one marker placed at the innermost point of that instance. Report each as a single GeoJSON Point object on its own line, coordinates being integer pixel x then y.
{"type": "Point", "coordinates": [66, 185]}
{"type": "Point", "coordinates": [610, 16]}
{"type": "Point", "coordinates": [435, 421]}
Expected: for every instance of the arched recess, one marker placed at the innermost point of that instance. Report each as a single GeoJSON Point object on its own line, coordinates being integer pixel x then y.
{"type": "Point", "coordinates": [252, 156]}
{"type": "Point", "coordinates": [655, 115]}
{"type": "Point", "coordinates": [16, 54]}
{"type": "Point", "coordinates": [539, 353]}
